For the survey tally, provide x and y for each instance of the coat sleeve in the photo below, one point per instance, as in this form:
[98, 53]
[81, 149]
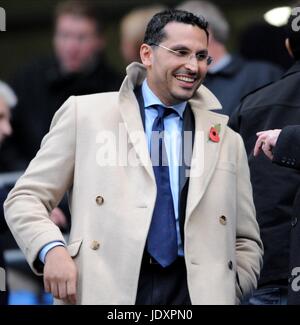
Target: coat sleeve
[287, 149]
[249, 247]
[39, 190]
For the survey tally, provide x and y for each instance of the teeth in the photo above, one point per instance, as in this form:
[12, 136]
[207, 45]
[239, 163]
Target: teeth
[186, 79]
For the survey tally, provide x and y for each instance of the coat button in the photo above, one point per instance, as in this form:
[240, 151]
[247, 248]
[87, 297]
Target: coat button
[95, 245]
[230, 265]
[294, 221]
[223, 220]
[99, 200]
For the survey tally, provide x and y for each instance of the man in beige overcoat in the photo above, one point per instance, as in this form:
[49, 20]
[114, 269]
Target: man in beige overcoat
[144, 232]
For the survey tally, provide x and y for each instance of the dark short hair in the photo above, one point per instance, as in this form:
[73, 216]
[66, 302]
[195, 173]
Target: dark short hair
[80, 8]
[155, 29]
[293, 34]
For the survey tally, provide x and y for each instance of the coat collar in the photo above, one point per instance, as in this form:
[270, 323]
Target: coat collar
[136, 74]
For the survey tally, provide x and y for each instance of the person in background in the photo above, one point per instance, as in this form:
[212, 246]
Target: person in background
[77, 67]
[229, 77]
[275, 189]
[132, 30]
[8, 100]
[282, 146]
[158, 225]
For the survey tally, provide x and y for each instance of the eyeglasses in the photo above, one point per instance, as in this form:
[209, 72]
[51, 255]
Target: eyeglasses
[187, 55]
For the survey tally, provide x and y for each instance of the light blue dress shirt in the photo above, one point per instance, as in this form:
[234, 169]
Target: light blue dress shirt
[47, 248]
[173, 127]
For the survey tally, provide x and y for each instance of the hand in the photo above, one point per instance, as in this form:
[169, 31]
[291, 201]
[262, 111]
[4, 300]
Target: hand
[266, 141]
[58, 217]
[60, 275]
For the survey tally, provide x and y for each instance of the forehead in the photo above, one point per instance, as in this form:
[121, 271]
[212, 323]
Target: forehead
[185, 34]
[71, 21]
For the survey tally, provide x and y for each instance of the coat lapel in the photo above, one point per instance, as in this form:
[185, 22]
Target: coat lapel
[205, 152]
[131, 115]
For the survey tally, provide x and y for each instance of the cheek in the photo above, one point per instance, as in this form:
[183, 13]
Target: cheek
[160, 74]
[203, 71]
[86, 51]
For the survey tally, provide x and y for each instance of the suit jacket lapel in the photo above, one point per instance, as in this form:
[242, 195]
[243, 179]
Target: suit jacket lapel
[140, 99]
[188, 135]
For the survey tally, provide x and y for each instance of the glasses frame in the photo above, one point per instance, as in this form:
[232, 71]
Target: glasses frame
[209, 59]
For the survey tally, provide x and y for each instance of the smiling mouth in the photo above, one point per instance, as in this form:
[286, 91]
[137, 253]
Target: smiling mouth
[186, 79]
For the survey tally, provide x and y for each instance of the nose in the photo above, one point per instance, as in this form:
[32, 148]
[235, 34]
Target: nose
[192, 63]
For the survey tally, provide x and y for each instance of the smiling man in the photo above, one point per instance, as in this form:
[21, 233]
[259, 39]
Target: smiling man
[176, 71]
[163, 228]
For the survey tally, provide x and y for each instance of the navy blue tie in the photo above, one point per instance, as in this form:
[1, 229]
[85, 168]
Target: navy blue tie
[162, 236]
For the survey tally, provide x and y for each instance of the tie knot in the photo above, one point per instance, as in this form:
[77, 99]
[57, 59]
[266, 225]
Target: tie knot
[164, 111]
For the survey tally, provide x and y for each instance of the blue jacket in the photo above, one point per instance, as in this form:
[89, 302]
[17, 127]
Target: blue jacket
[239, 78]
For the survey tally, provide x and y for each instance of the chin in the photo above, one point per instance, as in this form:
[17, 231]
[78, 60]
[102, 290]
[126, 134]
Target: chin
[185, 96]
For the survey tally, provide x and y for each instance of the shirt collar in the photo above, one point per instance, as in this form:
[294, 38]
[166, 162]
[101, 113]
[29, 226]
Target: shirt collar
[150, 99]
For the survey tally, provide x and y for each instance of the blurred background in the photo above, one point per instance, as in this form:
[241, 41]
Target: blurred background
[30, 26]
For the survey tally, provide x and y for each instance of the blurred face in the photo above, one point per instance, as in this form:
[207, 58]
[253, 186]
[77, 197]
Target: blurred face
[130, 50]
[5, 127]
[76, 42]
[172, 77]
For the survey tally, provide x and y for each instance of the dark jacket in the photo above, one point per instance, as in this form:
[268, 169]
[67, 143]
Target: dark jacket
[41, 89]
[274, 188]
[287, 153]
[237, 79]
[287, 149]
[3, 228]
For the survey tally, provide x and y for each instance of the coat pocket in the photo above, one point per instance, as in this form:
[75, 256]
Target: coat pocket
[73, 248]
[226, 166]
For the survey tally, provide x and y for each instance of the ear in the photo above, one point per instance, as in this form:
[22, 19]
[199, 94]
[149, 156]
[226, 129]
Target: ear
[146, 53]
[288, 47]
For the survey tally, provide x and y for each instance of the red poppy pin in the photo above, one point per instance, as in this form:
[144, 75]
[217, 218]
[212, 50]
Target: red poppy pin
[214, 133]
